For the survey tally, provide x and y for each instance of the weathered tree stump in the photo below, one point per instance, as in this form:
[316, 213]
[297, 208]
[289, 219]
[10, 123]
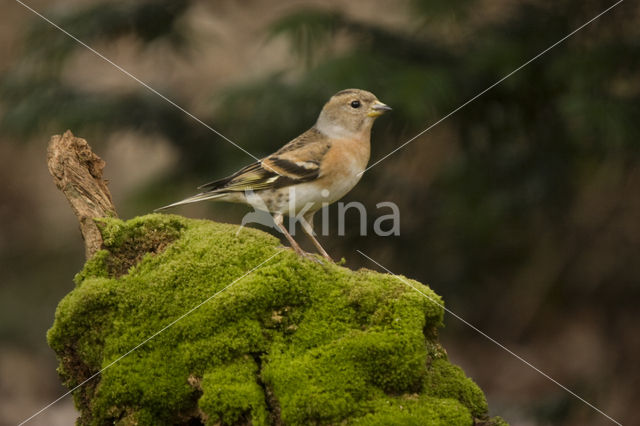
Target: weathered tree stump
[77, 172]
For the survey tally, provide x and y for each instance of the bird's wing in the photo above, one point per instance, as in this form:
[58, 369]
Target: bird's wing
[296, 162]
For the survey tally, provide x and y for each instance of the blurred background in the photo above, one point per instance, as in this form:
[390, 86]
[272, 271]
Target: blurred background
[522, 209]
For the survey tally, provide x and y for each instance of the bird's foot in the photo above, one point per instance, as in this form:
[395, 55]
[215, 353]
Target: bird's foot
[322, 260]
[309, 256]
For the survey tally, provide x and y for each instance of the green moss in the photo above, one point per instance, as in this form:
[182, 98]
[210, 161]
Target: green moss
[124, 245]
[416, 410]
[231, 393]
[294, 342]
[445, 380]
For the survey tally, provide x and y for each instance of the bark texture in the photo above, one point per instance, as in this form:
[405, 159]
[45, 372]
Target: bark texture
[77, 172]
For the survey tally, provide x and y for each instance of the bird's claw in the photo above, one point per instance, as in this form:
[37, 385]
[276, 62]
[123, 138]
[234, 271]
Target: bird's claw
[313, 257]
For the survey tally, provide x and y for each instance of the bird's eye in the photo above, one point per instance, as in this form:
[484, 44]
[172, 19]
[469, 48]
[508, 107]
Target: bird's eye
[355, 104]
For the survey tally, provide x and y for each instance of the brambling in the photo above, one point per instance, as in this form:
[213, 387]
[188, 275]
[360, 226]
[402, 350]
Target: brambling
[315, 169]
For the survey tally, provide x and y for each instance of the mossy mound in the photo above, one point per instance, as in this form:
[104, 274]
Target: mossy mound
[293, 342]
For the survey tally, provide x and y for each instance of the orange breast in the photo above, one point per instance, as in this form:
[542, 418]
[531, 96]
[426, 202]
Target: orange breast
[341, 166]
[346, 157]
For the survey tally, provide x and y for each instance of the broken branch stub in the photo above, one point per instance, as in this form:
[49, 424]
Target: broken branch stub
[77, 172]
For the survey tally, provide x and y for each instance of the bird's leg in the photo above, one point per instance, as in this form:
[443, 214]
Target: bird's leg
[307, 226]
[279, 220]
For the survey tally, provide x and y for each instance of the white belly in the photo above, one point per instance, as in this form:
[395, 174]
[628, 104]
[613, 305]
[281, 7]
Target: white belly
[305, 197]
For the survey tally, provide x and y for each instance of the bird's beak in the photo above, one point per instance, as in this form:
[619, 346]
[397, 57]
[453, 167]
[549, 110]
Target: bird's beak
[378, 108]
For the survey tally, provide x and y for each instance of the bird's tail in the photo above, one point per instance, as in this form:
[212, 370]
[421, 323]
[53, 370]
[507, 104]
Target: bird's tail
[198, 197]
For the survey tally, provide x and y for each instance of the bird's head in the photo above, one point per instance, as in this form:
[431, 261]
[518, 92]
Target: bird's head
[349, 113]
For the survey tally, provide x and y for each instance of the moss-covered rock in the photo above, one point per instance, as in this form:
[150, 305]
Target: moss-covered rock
[293, 342]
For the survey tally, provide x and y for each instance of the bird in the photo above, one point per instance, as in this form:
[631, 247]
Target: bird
[315, 169]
